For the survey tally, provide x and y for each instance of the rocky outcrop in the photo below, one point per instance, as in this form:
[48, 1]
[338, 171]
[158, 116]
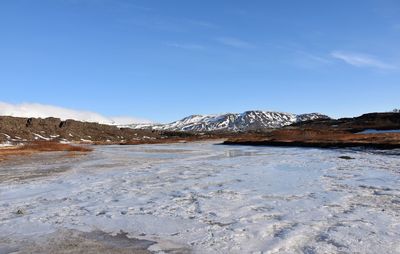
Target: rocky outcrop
[16, 129]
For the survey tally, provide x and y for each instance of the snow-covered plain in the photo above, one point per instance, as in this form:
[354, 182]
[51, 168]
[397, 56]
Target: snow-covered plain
[210, 198]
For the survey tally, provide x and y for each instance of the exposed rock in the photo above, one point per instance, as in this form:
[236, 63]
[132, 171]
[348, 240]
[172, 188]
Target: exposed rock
[16, 129]
[344, 157]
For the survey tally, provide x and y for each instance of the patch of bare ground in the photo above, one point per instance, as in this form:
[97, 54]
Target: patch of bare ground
[71, 241]
[49, 146]
[320, 139]
[68, 241]
[41, 146]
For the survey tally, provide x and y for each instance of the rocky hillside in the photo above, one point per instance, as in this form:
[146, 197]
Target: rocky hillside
[375, 121]
[247, 121]
[17, 129]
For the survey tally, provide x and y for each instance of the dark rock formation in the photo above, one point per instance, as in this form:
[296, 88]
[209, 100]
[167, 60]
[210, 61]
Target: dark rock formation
[16, 129]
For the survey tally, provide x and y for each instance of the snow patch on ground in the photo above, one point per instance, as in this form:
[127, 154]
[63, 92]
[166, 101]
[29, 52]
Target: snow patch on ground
[37, 136]
[6, 144]
[215, 198]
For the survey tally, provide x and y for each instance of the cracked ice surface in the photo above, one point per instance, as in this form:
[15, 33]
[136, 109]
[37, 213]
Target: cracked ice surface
[213, 198]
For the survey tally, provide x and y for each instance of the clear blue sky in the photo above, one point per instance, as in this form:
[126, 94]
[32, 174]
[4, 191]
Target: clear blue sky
[163, 60]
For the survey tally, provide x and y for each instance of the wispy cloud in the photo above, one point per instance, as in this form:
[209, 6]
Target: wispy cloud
[43, 111]
[188, 46]
[361, 60]
[234, 42]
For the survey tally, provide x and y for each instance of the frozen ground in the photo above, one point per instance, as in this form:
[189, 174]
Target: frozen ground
[202, 198]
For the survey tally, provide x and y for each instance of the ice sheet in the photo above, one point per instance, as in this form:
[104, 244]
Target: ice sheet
[214, 198]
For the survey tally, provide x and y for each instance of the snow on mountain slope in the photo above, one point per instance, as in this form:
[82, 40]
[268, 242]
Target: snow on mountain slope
[249, 120]
[310, 116]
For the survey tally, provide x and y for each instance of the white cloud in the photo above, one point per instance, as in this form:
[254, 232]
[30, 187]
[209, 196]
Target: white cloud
[234, 42]
[186, 46]
[361, 60]
[43, 111]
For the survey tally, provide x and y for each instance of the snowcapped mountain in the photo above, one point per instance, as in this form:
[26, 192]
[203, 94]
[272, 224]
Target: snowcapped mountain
[249, 120]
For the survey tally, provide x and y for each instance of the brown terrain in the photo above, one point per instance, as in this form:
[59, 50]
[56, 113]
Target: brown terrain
[329, 133]
[41, 146]
[18, 129]
[32, 135]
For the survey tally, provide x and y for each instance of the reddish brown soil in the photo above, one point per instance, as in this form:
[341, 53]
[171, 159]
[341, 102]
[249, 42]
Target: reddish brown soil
[41, 146]
[320, 138]
[48, 146]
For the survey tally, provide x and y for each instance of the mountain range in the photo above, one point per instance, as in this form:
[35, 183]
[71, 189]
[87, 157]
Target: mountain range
[246, 121]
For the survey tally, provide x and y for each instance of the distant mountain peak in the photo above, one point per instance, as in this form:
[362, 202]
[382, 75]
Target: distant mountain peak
[248, 120]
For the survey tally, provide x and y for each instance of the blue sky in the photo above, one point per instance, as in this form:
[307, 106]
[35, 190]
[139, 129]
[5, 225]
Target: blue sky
[163, 60]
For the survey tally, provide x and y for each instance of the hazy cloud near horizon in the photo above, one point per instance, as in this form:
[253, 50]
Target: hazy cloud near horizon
[43, 111]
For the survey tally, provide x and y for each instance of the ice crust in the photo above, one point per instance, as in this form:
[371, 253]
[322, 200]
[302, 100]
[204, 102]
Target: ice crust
[215, 198]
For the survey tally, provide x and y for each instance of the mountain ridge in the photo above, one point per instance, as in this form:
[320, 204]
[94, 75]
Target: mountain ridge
[247, 121]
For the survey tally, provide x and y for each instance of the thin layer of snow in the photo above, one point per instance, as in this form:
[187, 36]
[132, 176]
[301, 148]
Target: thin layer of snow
[38, 136]
[6, 144]
[216, 199]
[86, 140]
[6, 135]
